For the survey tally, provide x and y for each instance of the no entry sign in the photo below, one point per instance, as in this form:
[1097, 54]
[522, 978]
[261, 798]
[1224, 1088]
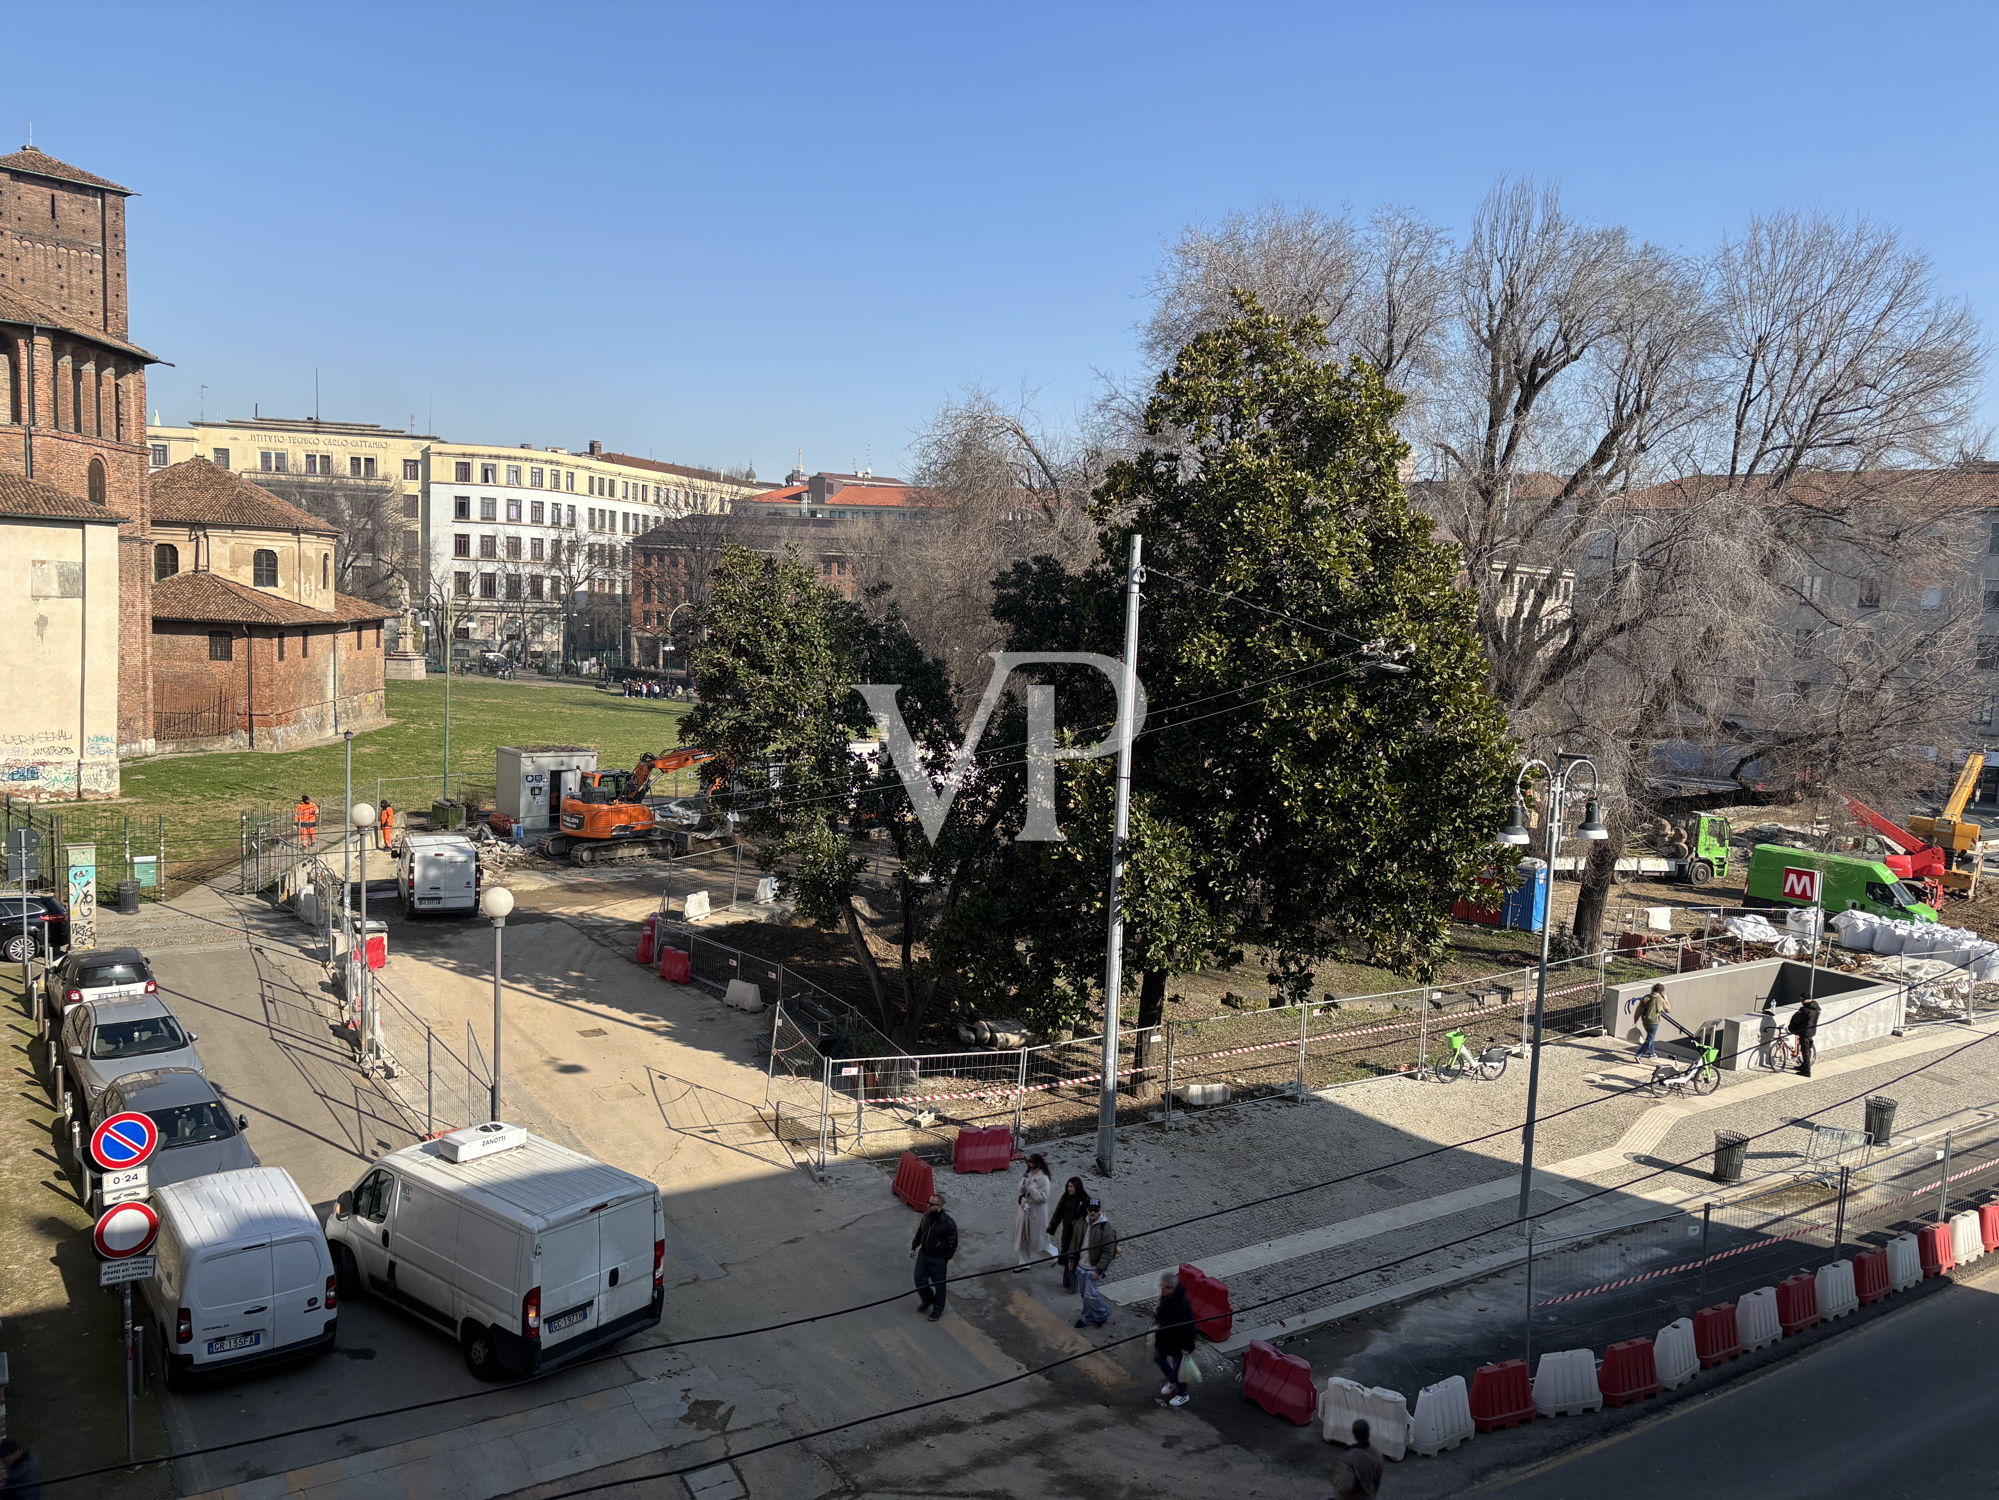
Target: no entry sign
[125, 1230]
[123, 1141]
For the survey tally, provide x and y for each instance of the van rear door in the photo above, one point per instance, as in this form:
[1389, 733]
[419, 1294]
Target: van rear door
[445, 878]
[299, 1268]
[626, 1232]
[229, 1301]
[569, 1281]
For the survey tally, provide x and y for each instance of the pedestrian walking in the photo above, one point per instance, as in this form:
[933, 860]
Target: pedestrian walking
[385, 831]
[1357, 1476]
[1172, 1338]
[935, 1243]
[24, 1472]
[1030, 1214]
[305, 819]
[1100, 1248]
[1650, 1010]
[1805, 1027]
[1066, 1226]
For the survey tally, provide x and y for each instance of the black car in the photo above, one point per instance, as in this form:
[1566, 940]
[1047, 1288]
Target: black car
[32, 925]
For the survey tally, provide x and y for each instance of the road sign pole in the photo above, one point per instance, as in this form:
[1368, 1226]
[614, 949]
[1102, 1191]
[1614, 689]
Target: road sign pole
[131, 1422]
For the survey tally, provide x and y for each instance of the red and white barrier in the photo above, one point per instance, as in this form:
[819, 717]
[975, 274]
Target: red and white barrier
[1836, 1294]
[1988, 1226]
[1214, 1318]
[984, 1150]
[1279, 1383]
[1933, 1249]
[1798, 1304]
[1905, 1262]
[914, 1181]
[1756, 1322]
[1387, 1414]
[1628, 1373]
[1442, 1418]
[1715, 1338]
[1565, 1384]
[1501, 1395]
[1873, 1277]
[1967, 1244]
[1674, 1355]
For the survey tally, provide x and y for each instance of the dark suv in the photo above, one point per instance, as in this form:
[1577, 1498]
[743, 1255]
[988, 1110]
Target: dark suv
[46, 927]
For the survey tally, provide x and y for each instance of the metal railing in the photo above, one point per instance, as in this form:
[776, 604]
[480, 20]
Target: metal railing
[127, 848]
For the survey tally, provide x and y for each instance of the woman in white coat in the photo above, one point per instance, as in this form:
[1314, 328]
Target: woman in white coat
[1030, 1220]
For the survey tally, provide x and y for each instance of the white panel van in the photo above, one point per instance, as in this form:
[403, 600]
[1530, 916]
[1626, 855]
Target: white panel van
[529, 1254]
[244, 1276]
[437, 872]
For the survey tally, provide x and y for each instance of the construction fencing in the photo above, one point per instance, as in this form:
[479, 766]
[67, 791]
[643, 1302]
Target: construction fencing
[125, 848]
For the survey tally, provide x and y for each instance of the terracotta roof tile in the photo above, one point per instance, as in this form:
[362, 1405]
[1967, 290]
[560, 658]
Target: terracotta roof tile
[21, 496]
[194, 492]
[210, 596]
[684, 471]
[18, 307]
[31, 159]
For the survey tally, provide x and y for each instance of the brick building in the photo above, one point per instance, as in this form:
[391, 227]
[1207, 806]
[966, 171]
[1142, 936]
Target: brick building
[77, 676]
[253, 645]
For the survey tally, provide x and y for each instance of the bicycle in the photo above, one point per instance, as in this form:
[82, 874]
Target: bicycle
[1700, 1074]
[1488, 1064]
[1780, 1052]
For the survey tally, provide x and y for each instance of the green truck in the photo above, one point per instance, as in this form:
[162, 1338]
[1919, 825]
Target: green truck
[1782, 876]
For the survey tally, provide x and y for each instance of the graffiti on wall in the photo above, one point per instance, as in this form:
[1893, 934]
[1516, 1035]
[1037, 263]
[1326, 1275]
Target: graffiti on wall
[82, 895]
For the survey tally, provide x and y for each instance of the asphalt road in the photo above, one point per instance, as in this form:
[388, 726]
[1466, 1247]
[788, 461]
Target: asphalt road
[1900, 1408]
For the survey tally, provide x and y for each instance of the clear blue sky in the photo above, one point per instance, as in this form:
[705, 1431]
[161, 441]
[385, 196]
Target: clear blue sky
[721, 233]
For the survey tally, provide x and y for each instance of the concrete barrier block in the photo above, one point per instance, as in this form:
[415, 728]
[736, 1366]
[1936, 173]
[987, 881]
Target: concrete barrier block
[1565, 1383]
[1673, 1354]
[1199, 1095]
[694, 906]
[1386, 1411]
[1905, 1263]
[1966, 1242]
[766, 890]
[1756, 1320]
[1837, 1297]
[743, 995]
[1442, 1418]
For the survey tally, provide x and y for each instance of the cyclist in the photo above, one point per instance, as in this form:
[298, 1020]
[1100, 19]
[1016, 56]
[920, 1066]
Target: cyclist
[1650, 1010]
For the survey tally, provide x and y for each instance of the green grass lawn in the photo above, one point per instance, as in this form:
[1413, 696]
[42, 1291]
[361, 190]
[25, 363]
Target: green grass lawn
[201, 796]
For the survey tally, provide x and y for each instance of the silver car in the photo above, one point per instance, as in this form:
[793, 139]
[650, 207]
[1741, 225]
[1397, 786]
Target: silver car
[102, 1041]
[198, 1135]
[95, 974]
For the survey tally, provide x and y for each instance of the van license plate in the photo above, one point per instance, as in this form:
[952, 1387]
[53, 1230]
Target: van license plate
[568, 1320]
[234, 1341]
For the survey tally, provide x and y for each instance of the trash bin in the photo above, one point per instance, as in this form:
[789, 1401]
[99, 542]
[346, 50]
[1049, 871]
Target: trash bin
[128, 898]
[1730, 1147]
[1880, 1118]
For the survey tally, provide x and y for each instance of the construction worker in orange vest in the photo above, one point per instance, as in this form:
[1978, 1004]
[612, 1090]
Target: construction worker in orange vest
[305, 818]
[386, 830]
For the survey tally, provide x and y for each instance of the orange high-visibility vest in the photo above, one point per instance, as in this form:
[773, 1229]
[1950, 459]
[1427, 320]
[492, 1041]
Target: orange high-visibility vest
[306, 815]
[388, 824]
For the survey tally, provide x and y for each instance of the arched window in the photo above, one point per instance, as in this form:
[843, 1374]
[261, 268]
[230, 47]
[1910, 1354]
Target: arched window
[326, 570]
[75, 396]
[166, 560]
[264, 568]
[97, 484]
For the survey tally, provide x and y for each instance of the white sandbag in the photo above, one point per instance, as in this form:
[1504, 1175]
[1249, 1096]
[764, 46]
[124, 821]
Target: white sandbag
[1889, 937]
[1985, 969]
[1856, 930]
[1751, 929]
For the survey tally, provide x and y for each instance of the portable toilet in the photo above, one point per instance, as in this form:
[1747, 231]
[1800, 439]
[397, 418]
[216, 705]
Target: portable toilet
[530, 780]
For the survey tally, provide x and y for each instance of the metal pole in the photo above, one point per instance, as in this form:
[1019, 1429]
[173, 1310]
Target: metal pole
[1168, 1030]
[429, 1083]
[1120, 827]
[450, 631]
[1304, 1022]
[1943, 1182]
[499, 928]
[371, 1040]
[131, 1422]
[825, 1109]
[1839, 1221]
[1557, 786]
[1707, 1228]
[1527, 1323]
[1020, 1094]
[243, 836]
[347, 858]
[1423, 1031]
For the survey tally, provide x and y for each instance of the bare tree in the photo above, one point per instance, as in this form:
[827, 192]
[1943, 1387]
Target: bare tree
[377, 557]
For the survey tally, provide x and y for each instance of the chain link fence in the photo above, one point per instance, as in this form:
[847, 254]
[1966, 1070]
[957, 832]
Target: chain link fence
[125, 847]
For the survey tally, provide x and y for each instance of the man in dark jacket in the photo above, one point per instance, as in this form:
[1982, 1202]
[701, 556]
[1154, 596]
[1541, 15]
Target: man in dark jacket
[23, 1479]
[1805, 1027]
[935, 1243]
[1357, 1476]
[1172, 1338]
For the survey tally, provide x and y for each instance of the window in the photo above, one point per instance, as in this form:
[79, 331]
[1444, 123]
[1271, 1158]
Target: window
[534, 586]
[361, 468]
[514, 548]
[489, 546]
[461, 473]
[513, 586]
[489, 508]
[96, 481]
[513, 508]
[221, 646]
[489, 585]
[513, 473]
[1801, 644]
[534, 478]
[305, 643]
[1930, 598]
[219, 457]
[281, 645]
[1745, 689]
[1815, 587]
[166, 560]
[1982, 715]
[535, 549]
[1870, 593]
[274, 463]
[360, 633]
[1988, 653]
[489, 473]
[319, 463]
[569, 480]
[1992, 540]
[264, 568]
[572, 514]
[412, 468]
[461, 585]
[1991, 597]
[461, 544]
[536, 512]
[461, 507]
[326, 570]
[159, 455]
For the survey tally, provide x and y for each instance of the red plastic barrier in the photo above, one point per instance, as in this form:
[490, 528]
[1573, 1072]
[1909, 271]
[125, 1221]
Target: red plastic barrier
[1797, 1304]
[1501, 1396]
[1715, 1338]
[1279, 1383]
[376, 949]
[914, 1181]
[1988, 1226]
[648, 939]
[675, 965]
[985, 1150]
[1213, 1315]
[1870, 1277]
[1933, 1244]
[1628, 1373]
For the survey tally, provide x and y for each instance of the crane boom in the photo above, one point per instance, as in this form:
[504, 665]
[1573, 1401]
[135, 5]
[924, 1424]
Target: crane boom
[1894, 833]
[1965, 785]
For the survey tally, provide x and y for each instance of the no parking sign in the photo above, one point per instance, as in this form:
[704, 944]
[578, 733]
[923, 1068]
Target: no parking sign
[125, 1140]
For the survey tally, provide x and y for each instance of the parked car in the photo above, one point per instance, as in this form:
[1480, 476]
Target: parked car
[32, 925]
[198, 1135]
[244, 1277]
[437, 872]
[479, 1231]
[95, 974]
[102, 1041]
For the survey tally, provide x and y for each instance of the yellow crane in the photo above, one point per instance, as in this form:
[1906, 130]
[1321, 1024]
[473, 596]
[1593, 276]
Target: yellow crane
[1959, 840]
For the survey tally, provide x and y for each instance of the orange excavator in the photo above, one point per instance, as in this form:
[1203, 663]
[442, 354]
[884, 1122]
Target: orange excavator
[608, 817]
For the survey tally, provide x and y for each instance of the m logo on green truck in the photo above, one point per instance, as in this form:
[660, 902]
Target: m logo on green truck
[1783, 876]
[1800, 885]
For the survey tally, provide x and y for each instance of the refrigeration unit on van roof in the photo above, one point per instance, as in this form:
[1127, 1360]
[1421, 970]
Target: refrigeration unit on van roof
[476, 1141]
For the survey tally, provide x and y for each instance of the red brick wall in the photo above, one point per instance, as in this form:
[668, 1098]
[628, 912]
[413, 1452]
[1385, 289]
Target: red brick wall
[73, 259]
[301, 699]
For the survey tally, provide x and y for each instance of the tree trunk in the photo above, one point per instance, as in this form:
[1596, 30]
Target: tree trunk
[1599, 874]
[858, 939]
[1151, 1011]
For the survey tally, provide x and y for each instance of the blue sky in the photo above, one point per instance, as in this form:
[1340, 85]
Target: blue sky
[724, 233]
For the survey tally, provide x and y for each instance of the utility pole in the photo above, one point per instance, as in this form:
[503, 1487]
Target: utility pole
[1120, 826]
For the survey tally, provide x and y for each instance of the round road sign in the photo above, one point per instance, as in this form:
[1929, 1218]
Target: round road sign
[126, 1230]
[123, 1141]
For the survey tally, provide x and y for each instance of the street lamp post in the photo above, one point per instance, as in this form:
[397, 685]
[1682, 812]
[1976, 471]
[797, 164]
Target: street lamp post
[494, 905]
[1515, 833]
[360, 818]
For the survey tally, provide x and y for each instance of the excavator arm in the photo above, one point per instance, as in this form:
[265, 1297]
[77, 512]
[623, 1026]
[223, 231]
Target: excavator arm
[651, 765]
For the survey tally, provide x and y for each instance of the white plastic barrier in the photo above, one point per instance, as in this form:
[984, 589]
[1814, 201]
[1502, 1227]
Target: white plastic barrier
[1565, 1383]
[1386, 1412]
[1756, 1321]
[1673, 1354]
[1443, 1417]
[1967, 1243]
[1905, 1262]
[694, 906]
[1835, 1289]
[744, 995]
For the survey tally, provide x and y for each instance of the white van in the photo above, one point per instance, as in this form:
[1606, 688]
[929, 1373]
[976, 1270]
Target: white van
[244, 1275]
[437, 872]
[529, 1254]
